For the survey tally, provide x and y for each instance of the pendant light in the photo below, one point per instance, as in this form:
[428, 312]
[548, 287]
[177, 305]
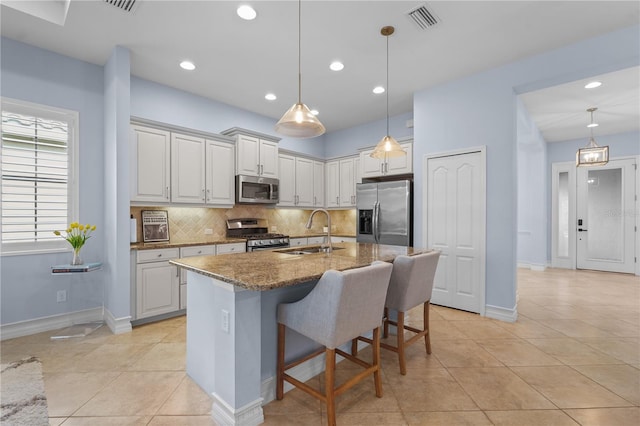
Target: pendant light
[592, 154]
[388, 146]
[298, 121]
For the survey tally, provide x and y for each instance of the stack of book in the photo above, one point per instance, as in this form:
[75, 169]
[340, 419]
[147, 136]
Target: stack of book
[87, 267]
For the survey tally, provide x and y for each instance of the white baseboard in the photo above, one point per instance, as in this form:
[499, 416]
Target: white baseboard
[117, 325]
[502, 314]
[249, 415]
[54, 322]
[302, 372]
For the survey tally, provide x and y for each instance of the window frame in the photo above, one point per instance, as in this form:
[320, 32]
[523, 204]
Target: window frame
[72, 120]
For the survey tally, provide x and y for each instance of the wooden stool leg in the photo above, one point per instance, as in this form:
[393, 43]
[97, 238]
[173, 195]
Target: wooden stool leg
[427, 336]
[376, 361]
[280, 362]
[329, 385]
[385, 332]
[400, 332]
[354, 347]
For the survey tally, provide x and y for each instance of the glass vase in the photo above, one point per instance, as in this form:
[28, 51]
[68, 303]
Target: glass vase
[76, 257]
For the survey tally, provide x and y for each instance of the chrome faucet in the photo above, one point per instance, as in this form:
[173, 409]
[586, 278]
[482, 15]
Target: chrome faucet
[329, 248]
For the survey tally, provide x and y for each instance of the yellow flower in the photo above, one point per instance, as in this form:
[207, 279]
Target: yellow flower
[81, 227]
[56, 232]
[68, 230]
[93, 228]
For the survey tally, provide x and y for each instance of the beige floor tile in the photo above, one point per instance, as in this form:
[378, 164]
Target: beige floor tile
[56, 421]
[463, 353]
[116, 357]
[572, 352]
[607, 416]
[179, 334]
[314, 419]
[429, 390]
[530, 418]
[447, 418]
[295, 402]
[108, 421]
[498, 388]
[415, 356]
[133, 394]
[623, 380]
[527, 328]
[182, 421]
[14, 352]
[575, 328]
[445, 330]
[149, 333]
[188, 398]
[624, 349]
[517, 352]
[616, 327]
[367, 419]
[162, 357]
[567, 388]
[481, 330]
[67, 392]
[455, 314]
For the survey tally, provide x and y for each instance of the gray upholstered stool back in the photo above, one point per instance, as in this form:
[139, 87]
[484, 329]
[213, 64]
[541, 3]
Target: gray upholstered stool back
[411, 281]
[341, 306]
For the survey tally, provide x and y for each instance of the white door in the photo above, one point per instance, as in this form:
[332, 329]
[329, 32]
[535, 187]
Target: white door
[220, 174]
[318, 183]
[347, 183]
[187, 169]
[268, 159]
[287, 188]
[456, 226]
[333, 183]
[304, 182]
[150, 164]
[605, 217]
[248, 156]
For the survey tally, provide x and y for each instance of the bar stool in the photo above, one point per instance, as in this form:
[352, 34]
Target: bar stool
[411, 285]
[341, 306]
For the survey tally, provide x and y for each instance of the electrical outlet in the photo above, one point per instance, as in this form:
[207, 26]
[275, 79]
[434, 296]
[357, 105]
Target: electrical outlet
[225, 321]
[274, 228]
[208, 231]
[61, 296]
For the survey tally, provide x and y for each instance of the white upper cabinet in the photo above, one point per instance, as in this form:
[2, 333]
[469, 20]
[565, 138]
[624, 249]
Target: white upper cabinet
[287, 188]
[318, 184]
[332, 178]
[187, 169]
[373, 167]
[256, 154]
[150, 164]
[296, 181]
[341, 178]
[220, 175]
[304, 182]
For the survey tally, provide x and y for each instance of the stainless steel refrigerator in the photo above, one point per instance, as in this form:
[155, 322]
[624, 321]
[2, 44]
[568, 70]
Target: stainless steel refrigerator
[385, 212]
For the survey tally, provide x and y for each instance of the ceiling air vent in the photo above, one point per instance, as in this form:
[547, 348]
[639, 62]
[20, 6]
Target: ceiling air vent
[126, 5]
[423, 17]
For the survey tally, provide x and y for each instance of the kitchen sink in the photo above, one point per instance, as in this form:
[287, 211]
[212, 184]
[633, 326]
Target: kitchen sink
[306, 250]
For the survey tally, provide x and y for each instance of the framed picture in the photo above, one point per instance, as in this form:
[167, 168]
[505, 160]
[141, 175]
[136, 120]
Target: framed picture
[155, 225]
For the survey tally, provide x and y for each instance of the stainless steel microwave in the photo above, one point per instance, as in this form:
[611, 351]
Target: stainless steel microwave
[256, 190]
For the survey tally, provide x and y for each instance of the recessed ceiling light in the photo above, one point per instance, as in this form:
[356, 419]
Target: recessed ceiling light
[593, 125]
[246, 12]
[336, 66]
[378, 89]
[593, 85]
[187, 65]
[314, 112]
[270, 97]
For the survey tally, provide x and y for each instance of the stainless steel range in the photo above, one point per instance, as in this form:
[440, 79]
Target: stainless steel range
[256, 231]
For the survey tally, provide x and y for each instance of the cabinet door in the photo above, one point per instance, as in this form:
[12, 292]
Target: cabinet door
[248, 156]
[304, 182]
[220, 175]
[297, 242]
[318, 184]
[157, 289]
[347, 183]
[333, 184]
[150, 164]
[268, 159]
[231, 248]
[187, 169]
[401, 165]
[287, 181]
[370, 166]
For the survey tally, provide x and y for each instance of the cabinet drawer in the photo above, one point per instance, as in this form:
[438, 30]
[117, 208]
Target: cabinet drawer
[156, 255]
[297, 242]
[231, 248]
[316, 240]
[197, 251]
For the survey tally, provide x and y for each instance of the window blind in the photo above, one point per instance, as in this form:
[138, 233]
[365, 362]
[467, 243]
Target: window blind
[35, 176]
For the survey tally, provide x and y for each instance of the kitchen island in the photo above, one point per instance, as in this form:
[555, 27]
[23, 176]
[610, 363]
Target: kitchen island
[231, 320]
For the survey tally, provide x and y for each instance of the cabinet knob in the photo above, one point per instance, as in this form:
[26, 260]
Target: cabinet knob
[160, 255]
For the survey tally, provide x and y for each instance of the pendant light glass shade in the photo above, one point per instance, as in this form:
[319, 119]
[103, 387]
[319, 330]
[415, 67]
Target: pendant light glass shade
[592, 154]
[298, 122]
[387, 147]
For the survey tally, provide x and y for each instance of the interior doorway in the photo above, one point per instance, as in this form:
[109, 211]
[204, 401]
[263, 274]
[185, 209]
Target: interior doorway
[593, 216]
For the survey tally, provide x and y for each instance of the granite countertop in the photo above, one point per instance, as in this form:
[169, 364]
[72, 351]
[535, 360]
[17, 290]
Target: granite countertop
[266, 270]
[320, 234]
[186, 243]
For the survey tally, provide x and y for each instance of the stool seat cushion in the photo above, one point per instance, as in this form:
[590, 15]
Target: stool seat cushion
[341, 306]
[411, 281]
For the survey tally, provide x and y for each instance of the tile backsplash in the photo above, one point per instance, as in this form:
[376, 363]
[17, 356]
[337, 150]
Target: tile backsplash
[189, 223]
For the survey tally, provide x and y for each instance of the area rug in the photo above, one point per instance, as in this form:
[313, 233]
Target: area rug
[22, 398]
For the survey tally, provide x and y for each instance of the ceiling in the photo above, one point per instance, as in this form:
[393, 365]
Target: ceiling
[239, 61]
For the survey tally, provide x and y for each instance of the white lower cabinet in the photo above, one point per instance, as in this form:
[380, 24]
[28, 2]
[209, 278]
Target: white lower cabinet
[343, 239]
[191, 252]
[316, 240]
[157, 283]
[231, 248]
[297, 242]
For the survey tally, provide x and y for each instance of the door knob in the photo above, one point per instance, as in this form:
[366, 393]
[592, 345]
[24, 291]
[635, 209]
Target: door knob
[582, 230]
